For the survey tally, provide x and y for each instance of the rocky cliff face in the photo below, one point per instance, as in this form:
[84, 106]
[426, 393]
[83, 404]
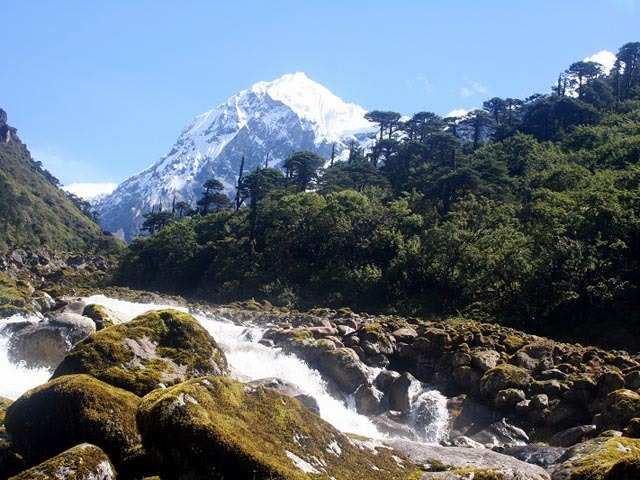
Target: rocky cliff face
[264, 123]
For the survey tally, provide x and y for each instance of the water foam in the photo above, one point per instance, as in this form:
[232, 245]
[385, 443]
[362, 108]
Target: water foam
[15, 379]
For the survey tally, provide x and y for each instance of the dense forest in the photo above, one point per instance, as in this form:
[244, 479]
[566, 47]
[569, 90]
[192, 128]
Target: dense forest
[526, 211]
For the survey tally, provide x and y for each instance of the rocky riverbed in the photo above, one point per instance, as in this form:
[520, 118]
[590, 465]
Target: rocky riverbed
[158, 387]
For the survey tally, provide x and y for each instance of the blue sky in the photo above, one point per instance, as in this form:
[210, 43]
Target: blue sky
[100, 90]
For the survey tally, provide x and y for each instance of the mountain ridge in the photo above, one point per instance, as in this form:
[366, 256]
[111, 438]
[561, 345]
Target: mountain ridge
[264, 123]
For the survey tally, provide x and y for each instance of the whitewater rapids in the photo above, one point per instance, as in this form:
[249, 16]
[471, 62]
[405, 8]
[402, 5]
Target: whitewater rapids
[249, 360]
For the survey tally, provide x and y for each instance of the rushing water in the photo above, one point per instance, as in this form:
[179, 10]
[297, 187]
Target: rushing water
[15, 379]
[250, 360]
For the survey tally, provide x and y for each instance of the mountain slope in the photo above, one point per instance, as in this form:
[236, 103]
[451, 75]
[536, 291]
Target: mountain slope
[33, 211]
[269, 120]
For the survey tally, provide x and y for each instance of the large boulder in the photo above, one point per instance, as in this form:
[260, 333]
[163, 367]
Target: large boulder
[503, 377]
[44, 344]
[83, 462]
[215, 427]
[467, 463]
[595, 459]
[10, 462]
[71, 410]
[155, 349]
[619, 408]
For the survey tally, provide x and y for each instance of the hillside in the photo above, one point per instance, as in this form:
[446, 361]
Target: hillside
[34, 212]
[526, 212]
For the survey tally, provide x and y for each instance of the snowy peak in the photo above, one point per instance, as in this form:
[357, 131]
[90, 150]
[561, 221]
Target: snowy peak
[266, 122]
[311, 101]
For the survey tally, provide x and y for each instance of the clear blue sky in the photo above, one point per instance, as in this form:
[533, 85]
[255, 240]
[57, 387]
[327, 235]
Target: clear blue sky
[101, 89]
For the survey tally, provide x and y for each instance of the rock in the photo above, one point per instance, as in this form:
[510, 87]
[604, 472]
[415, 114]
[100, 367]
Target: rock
[503, 377]
[551, 388]
[368, 400]
[535, 356]
[464, 441]
[632, 380]
[553, 374]
[389, 423]
[71, 410]
[609, 382]
[541, 455]
[507, 399]
[501, 434]
[632, 430]
[619, 408]
[573, 435]
[343, 367]
[102, 316]
[473, 463]
[594, 459]
[385, 379]
[539, 402]
[38, 345]
[484, 360]
[290, 390]
[467, 378]
[83, 462]
[626, 469]
[158, 348]
[76, 327]
[405, 334]
[398, 393]
[230, 430]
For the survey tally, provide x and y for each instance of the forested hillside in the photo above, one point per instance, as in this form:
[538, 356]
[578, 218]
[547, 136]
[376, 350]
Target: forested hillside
[34, 212]
[526, 211]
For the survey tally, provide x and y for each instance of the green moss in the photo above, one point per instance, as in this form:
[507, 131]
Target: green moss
[161, 347]
[71, 410]
[513, 343]
[471, 473]
[99, 315]
[13, 292]
[596, 464]
[217, 428]
[78, 463]
[502, 377]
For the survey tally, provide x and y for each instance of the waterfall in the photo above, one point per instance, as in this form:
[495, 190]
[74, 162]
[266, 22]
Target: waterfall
[250, 360]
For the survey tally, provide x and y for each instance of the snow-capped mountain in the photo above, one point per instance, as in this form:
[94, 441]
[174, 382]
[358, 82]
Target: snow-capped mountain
[269, 120]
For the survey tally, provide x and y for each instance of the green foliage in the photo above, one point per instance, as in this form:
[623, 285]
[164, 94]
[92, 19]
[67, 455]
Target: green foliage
[536, 224]
[34, 212]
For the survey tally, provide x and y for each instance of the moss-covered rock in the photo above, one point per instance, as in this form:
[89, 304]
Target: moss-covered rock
[83, 462]
[216, 428]
[620, 407]
[14, 292]
[503, 377]
[158, 348]
[71, 410]
[100, 315]
[625, 469]
[595, 459]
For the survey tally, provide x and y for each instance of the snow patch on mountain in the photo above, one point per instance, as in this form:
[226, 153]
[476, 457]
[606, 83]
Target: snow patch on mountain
[266, 122]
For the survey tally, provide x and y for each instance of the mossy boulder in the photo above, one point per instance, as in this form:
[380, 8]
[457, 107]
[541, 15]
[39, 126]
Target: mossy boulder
[619, 408]
[158, 348]
[14, 293]
[71, 410]
[503, 377]
[625, 469]
[102, 317]
[595, 459]
[217, 428]
[83, 462]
